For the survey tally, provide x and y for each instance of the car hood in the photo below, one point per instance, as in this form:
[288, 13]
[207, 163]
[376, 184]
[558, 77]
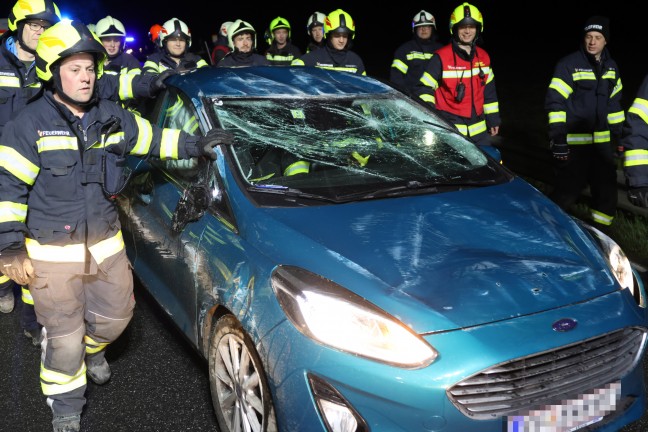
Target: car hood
[444, 261]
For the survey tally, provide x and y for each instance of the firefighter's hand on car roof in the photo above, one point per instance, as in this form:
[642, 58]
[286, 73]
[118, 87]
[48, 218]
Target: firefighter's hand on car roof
[16, 265]
[158, 84]
[213, 138]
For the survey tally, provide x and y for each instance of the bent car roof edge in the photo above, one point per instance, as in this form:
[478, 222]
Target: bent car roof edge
[261, 81]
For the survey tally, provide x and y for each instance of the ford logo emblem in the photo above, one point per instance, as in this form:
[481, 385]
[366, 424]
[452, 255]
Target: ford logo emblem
[563, 325]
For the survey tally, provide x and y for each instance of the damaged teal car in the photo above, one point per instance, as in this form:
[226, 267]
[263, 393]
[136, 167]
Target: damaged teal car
[353, 264]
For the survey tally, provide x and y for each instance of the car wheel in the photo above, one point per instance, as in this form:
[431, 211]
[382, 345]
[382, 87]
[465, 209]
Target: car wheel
[239, 387]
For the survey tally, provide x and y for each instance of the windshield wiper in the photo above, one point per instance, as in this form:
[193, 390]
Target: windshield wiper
[415, 186]
[288, 191]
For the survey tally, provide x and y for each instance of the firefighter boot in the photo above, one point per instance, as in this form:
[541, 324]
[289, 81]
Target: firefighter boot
[98, 369]
[7, 303]
[67, 423]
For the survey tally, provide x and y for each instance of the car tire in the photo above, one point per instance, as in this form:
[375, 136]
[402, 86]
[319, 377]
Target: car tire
[239, 387]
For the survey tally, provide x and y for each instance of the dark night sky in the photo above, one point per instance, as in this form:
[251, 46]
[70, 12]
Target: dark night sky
[524, 39]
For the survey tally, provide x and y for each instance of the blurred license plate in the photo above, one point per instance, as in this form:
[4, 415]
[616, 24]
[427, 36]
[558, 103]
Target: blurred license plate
[571, 414]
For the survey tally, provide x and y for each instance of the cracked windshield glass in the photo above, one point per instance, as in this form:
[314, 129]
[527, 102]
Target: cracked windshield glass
[343, 146]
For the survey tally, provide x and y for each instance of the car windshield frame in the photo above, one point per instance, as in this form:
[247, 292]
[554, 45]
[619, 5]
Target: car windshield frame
[329, 149]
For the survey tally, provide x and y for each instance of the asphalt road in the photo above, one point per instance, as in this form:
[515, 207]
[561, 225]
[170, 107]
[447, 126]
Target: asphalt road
[159, 382]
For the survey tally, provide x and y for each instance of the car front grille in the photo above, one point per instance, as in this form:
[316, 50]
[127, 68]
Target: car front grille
[548, 377]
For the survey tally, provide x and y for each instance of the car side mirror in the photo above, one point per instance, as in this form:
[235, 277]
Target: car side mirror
[191, 206]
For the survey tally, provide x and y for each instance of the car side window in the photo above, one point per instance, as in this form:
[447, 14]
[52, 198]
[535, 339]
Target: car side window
[178, 113]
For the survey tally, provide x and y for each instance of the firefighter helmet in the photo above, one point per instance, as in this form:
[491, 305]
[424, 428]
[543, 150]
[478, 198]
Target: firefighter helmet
[339, 21]
[110, 26]
[176, 28]
[276, 24]
[45, 10]
[238, 27]
[223, 28]
[64, 39]
[316, 19]
[423, 18]
[155, 34]
[466, 14]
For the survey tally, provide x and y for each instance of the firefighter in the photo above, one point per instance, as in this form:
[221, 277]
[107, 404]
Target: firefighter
[60, 166]
[18, 85]
[281, 51]
[458, 81]
[635, 143]
[339, 31]
[412, 56]
[241, 37]
[175, 38]
[112, 34]
[221, 45]
[585, 118]
[315, 30]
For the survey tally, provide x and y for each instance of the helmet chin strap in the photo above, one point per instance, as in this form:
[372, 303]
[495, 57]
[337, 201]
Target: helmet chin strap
[58, 87]
[23, 45]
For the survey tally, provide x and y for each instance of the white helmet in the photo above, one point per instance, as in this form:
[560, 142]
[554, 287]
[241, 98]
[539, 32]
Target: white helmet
[316, 19]
[423, 18]
[223, 28]
[176, 28]
[238, 27]
[110, 26]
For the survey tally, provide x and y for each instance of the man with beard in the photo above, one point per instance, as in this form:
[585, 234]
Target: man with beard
[242, 40]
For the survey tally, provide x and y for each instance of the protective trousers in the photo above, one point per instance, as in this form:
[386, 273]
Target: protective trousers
[593, 165]
[80, 314]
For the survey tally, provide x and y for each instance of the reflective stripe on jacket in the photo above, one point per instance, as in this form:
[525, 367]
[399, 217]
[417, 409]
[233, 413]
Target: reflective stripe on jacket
[54, 183]
[635, 139]
[583, 101]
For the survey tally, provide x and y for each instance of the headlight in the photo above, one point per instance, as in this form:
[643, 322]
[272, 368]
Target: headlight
[334, 316]
[616, 259]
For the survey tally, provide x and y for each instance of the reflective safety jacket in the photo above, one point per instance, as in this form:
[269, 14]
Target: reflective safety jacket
[472, 110]
[330, 58]
[18, 83]
[635, 139]
[283, 56]
[160, 61]
[238, 58]
[583, 101]
[410, 60]
[54, 168]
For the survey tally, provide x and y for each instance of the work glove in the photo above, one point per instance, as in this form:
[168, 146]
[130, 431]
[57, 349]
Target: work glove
[158, 84]
[16, 265]
[560, 151]
[618, 151]
[637, 196]
[213, 138]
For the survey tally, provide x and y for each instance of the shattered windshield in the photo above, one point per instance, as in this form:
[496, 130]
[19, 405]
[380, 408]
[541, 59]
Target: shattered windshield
[347, 148]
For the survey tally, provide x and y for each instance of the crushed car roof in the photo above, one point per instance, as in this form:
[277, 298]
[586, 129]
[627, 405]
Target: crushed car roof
[263, 81]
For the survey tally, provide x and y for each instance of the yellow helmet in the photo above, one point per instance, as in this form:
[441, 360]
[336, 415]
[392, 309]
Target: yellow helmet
[64, 39]
[466, 14]
[276, 24]
[339, 21]
[45, 10]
